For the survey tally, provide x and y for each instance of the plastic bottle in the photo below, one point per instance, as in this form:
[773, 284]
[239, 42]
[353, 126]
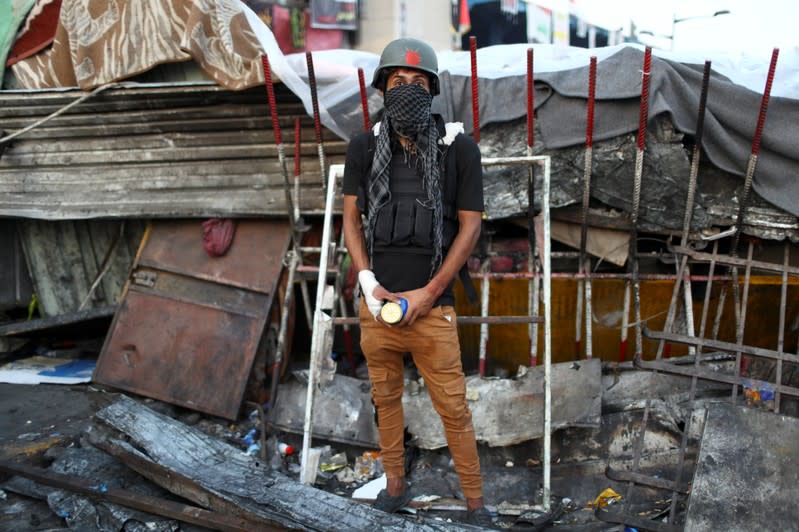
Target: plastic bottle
[285, 449]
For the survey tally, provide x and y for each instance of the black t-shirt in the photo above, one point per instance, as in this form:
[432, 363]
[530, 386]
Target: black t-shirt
[399, 268]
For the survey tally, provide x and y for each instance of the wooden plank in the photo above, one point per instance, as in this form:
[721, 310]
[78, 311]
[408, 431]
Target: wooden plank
[184, 486]
[138, 501]
[243, 480]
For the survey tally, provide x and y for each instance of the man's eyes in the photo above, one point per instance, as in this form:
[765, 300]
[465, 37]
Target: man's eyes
[401, 82]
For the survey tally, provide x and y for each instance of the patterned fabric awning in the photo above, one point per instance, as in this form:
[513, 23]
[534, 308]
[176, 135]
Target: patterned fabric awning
[102, 41]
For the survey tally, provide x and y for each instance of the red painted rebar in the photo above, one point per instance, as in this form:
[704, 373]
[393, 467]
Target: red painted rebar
[314, 100]
[297, 154]
[644, 109]
[761, 119]
[475, 95]
[270, 94]
[584, 287]
[589, 123]
[364, 103]
[530, 100]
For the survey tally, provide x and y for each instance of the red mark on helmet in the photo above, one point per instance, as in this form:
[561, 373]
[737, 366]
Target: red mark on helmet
[412, 58]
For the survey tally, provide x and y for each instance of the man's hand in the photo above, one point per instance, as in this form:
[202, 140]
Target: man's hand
[420, 302]
[374, 294]
[372, 291]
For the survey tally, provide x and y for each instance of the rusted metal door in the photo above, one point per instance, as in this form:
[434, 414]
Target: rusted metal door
[189, 324]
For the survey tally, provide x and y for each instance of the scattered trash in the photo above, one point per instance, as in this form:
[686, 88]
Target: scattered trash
[532, 462]
[472, 395]
[509, 463]
[285, 449]
[606, 498]
[46, 370]
[507, 508]
[759, 394]
[101, 487]
[346, 476]
[253, 449]
[334, 463]
[368, 465]
[369, 491]
[249, 438]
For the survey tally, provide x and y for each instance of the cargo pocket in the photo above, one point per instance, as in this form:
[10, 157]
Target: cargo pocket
[384, 225]
[380, 389]
[453, 405]
[403, 224]
[423, 227]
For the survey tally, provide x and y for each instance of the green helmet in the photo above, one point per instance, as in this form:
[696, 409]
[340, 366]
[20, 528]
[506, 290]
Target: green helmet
[407, 53]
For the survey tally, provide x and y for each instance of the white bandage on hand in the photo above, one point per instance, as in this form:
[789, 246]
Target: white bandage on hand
[368, 285]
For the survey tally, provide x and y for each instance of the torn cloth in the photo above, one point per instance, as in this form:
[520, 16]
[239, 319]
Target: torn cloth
[218, 236]
[102, 41]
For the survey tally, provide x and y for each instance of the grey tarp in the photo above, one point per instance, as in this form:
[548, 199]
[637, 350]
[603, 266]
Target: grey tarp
[561, 96]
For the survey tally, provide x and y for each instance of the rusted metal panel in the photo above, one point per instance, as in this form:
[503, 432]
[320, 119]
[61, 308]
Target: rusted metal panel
[189, 325]
[252, 261]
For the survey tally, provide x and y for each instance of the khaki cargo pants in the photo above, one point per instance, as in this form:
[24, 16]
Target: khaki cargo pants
[433, 343]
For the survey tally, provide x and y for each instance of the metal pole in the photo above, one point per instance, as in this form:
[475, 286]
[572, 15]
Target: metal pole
[547, 341]
[321, 320]
[281, 153]
[639, 170]
[533, 299]
[282, 332]
[475, 95]
[639, 164]
[584, 286]
[682, 267]
[786, 257]
[744, 202]
[364, 102]
[316, 122]
[484, 292]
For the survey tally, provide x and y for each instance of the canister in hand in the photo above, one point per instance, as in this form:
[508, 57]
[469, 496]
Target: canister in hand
[392, 313]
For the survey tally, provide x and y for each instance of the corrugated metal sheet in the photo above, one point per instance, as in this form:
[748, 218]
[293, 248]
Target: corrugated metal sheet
[66, 258]
[155, 151]
[15, 282]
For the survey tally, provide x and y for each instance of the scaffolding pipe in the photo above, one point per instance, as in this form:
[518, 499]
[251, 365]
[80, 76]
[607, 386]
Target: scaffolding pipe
[319, 329]
[532, 263]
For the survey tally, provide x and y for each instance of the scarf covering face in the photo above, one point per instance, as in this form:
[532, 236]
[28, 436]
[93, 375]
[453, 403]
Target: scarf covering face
[407, 113]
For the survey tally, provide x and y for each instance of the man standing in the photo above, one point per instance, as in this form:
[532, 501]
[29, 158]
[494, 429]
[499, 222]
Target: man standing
[413, 202]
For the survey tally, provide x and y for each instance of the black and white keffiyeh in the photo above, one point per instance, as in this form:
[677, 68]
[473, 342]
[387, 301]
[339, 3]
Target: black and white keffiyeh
[407, 114]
